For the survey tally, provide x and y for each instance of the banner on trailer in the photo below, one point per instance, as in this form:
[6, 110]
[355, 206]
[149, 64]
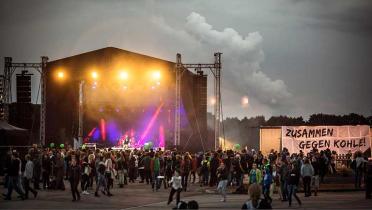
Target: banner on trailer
[338, 138]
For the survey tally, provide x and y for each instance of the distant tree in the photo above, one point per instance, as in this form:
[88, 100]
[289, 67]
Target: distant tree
[327, 119]
[285, 120]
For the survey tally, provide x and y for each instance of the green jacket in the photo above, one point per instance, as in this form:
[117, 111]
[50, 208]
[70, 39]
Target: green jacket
[255, 177]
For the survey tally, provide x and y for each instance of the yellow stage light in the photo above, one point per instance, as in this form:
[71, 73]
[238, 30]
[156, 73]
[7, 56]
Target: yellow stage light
[123, 75]
[94, 75]
[156, 75]
[60, 75]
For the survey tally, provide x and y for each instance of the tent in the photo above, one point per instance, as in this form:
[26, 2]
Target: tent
[12, 135]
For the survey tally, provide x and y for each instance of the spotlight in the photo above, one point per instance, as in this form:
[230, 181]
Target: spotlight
[156, 75]
[123, 75]
[60, 75]
[94, 75]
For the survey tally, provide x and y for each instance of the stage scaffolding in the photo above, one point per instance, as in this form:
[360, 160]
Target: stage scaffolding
[215, 68]
[9, 69]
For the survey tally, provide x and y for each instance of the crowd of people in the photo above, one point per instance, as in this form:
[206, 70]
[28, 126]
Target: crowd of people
[96, 171]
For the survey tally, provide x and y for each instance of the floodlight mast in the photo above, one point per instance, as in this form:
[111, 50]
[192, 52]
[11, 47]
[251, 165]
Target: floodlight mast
[215, 68]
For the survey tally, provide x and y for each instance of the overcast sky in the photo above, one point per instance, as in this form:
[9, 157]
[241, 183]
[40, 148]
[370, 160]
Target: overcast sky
[289, 57]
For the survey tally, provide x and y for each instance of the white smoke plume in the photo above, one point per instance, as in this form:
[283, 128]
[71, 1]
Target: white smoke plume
[242, 57]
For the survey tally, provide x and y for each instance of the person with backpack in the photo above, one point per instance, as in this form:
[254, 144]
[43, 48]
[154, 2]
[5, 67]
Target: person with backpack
[255, 201]
[101, 179]
[204, 171]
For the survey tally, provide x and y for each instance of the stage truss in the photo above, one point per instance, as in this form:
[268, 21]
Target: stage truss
[215, 68]
[9, 69]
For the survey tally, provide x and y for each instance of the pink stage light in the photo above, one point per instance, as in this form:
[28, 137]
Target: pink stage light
[132, 132]
[90, 134]
[103, 129]
[161, 136]
[151, 123]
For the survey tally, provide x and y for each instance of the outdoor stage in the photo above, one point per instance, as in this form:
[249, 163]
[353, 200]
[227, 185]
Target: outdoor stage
[110, 95]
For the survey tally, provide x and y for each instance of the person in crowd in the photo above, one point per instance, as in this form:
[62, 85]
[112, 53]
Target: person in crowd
[74, 178]
[315, 178]
[333, 162]
[255, 201]
[85, 170]
[222, 175]
[101, 178]
[348, 157]
[176, 187]
[323, 165]
[59, 169]
[293, 180]
[28, 175]
[168, 168]
[185, 170]
[133, 168]
[214, 164]
[120, 164]
[204, 171]
[255, 175]
[238, 170]
[46, 169]
[155, 172]
[368, 180]
[275, 186]
[13, 176]
[109, 170]
[283, 172]
[8, 163]
[267, 181]
[358, 167]
[307, 171]
[194, 168]
[36, 160]
[146, 168]
[92, 166]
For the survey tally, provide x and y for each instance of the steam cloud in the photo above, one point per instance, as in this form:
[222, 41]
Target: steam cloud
[241, 60]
